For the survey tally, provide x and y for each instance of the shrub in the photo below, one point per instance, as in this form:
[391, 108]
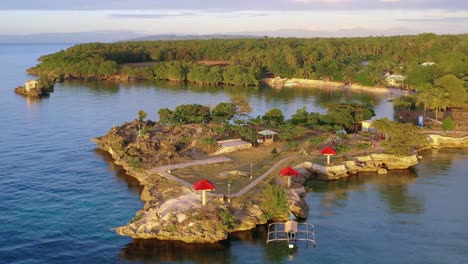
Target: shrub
[274, 151]
[342, 148]
[228, 220]
[362, 145]
[274, 203]
[142, 115]
[292, 145]
[448, 124]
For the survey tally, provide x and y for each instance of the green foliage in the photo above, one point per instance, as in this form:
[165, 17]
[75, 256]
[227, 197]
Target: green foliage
[347, 115]
[292, 145]
[273, 116]
[336, 59]
[448, 124]
[342, 135]
[228, 220]
[246, 133]
[401, 138]
[362, 145]
[274, 151]
[223, 112]
[142, 115]
[165, 116]
[209, 141]
[405, 102]
[290, 132]
[342, 148]
[144, 131]
[454, 87]
[274, 203]
[191, 114]
[316, 141]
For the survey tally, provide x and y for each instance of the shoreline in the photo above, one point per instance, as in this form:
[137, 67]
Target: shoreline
[279, 83]
[173, 211]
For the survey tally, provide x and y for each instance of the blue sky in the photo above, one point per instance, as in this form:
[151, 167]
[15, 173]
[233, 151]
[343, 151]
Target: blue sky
[301, 18]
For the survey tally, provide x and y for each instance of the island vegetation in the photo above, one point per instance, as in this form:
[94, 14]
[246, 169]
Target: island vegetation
[190, 132]
[423, 59]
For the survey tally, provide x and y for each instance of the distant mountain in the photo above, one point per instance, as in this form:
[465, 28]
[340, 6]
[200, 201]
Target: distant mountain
[187, 37]
[75, 37]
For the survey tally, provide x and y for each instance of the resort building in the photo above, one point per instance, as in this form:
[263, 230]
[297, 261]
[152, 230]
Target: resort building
[31, 84]
[395, 80]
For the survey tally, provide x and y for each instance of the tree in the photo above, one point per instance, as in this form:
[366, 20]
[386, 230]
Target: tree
[454, 87]
[439, 100]
[274, 116]
[243, 108]
[401, 138]
[165, 115]
[274, 203]
[223, 112]
[424, 96]
[191, 113]
[142, 115]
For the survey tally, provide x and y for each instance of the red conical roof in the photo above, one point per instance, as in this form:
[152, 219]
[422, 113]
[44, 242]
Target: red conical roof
[328, 151]
[288, 171]
[204, 185]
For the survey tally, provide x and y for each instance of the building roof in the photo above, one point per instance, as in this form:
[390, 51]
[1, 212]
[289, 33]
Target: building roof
[396, 77]
[328, 151]
[288, 171]
[204, 185]
[267, 132]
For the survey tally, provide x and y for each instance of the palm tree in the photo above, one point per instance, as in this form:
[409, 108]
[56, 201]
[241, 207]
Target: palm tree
[439, 100]
[424, 97]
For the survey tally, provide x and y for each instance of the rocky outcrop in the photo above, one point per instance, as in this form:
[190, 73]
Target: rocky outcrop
[438, 141]
[40, 91]
[372, 163]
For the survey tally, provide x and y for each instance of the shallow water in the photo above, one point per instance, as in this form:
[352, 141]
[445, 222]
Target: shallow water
[59, 196]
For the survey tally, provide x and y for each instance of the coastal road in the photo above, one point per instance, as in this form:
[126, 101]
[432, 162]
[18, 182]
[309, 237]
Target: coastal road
[163, 171]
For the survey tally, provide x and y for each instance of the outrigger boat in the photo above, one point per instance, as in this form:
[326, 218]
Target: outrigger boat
[291, 231]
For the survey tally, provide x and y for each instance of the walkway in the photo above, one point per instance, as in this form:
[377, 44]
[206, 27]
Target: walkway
[163, 172]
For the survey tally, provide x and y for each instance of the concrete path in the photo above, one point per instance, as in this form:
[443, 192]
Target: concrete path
[189, 163]
[163, 171]
[262, 177]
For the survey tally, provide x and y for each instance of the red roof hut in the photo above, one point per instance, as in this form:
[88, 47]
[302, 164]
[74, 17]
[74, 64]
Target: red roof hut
[328, 151]
[204, 185]
[289, 172]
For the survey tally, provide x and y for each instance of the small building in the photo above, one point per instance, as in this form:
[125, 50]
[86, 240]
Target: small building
[267, 136]
[428, 63]
[232, 145]
[31, 84]
[395, 80]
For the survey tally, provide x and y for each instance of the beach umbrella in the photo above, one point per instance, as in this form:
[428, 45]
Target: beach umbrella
[328, 151]
[204, 185]
[289, 172]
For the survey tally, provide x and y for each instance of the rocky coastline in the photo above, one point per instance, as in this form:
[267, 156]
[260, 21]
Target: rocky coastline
[174, 212]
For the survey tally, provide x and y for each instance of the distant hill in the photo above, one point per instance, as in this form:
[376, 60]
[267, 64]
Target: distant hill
[72, 37]
[188, 37]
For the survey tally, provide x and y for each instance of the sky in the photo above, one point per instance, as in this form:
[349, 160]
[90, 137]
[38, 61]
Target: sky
[285, 18]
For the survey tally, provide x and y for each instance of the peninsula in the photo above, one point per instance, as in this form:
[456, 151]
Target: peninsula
[168, 157]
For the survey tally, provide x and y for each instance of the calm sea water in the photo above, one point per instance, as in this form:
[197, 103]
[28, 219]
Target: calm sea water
[59, 195]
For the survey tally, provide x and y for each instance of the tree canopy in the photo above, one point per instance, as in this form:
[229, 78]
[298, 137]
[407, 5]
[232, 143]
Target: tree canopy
[245, 61]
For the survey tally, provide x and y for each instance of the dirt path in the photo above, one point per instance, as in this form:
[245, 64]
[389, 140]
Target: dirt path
[163, 171]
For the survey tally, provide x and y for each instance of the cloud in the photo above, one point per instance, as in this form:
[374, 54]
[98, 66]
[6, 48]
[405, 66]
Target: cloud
[443, 20]
[237, 5]
[150, 16]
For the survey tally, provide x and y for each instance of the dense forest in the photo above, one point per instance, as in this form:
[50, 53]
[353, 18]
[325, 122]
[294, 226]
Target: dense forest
[246, 61]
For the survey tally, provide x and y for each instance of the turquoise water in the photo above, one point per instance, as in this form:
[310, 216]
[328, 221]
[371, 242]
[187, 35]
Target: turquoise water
[59, 196]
